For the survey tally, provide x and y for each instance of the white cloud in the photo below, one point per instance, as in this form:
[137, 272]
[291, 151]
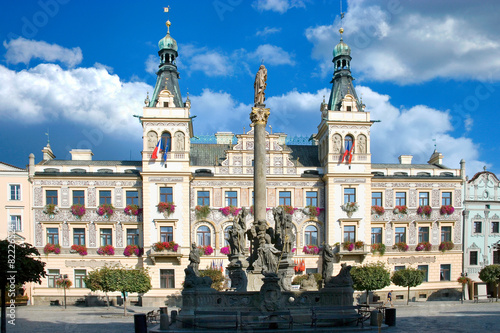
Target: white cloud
[91, 97]
[151, 64]
[411, 132]
[272, 55]
[267, 31]
[22, 50]
[210, 62]
[412, 42]
[280, 6]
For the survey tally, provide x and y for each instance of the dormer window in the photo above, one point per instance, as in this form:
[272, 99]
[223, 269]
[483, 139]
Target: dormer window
[348, 108]
[165, 104]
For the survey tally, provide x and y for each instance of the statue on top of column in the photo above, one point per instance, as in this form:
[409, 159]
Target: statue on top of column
[260, 86]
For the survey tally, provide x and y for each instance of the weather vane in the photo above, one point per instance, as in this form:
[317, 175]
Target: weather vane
[48, 135]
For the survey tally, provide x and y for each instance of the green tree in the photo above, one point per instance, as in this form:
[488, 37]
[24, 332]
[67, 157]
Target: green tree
[101, 279]
[131, 281]
[370, 277]
[18, 265]
[216, 276]
[491, 274]
[408, 277]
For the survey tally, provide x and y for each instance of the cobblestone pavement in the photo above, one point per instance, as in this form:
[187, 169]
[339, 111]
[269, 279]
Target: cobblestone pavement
[417, 317]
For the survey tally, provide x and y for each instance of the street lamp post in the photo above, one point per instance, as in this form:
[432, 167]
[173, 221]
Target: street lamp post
[65, 276]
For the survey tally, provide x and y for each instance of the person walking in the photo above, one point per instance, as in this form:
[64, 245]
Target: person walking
[389, 298]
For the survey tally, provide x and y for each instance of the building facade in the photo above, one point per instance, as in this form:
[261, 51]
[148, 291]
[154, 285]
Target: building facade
[369, 212]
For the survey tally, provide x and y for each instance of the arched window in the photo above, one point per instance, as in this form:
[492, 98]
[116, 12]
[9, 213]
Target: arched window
[311, 235]
[166, 141]
[348, 141]
[203, 236]
[226, 234]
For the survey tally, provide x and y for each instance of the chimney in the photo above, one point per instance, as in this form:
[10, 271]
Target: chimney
[81, 155]
[31, 167]
[436, 158]
[405, 159]
[47, 153]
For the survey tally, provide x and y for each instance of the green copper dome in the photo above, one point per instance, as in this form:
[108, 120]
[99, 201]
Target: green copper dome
[341, 49]
[167, 42]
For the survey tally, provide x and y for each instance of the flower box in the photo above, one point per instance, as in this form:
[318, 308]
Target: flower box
[166, 208]
[446, 210]
[401, 246]
[348, 246]
[225, 250]
[312, 211]
[81, 249]
[424, 210]
[350, 208]
[423, 246]
[400, 210]
[205, 250]
[106, 250]
[51, 210]
[463, 280]
[165, 246]
[52, 248]
[378, 247]
[106, 210]
[63, 283]
[446, 246]
[131, 250]
[202, 212]
[288, 209]
[78, 210]
[310, 249]
[378, 210]
[229, 210]
[132, 210]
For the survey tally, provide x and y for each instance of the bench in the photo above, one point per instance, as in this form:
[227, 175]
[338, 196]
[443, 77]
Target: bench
[216, 319]
[153, 316]
[54, 302]
[477, 298]
[338, 315]
[254, 320]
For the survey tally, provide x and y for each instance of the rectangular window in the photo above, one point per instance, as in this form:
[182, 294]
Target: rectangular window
[377, 199]
[446, 198]
[478, 227]
[106, 237]
[203, 198]
[473, 258]
[496, 257]
[425, 269]
[80, 278]
[167, 280]
[349, 195]
[376, 235]
[349, 233]
[423, 199]
[312, 198]
[52, 276]
[166, 194]
[445, 234]
[285, 198]
[15, 192]
[399, 268]
[495, 227]
[105, 197]
[52, 236]
[400, 235]
[51, 197]
[133, 237]
[79, 236]
[15, 223]
[445, 272]
[400, 198]
[423, 234]
[166, 234]
[79, 197]
[231, 198]
[132, 198]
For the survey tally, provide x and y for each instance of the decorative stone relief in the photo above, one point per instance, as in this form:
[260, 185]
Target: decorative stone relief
[412, 233]
[435, 234]
[38, 196]
[91, 193]
[64, 197]
[298, 198]
[119, 235]
[435, 198]
[249, 170]
[65, 234]
[458, 198]
[413, 197]
[224, 171]
[457, 233]
[92, 235]
[237, 171]
[278, 171]
[388, 234]
[278, 161]
[389, 197]
[271, 197]
[119, 197]
[38, 234]
[218, 197]
[361, 144]
[249, 145]
[179, 141]
[244, 197]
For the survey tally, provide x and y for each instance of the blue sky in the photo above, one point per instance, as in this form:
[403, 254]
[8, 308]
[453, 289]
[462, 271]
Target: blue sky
[429, 70]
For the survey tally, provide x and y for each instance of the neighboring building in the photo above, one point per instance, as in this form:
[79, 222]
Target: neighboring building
[482, 223]
[333, 172]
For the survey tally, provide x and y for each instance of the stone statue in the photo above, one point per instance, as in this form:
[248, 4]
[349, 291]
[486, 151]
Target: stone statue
[309, 283]
[337, 144]
[237, 233]
[289, 237]
[278, 214]
[152, 140]
[179, 141]
[268, 256]
[260, 85]
[343, 279]
[361, 144]
[256, 234]
[194, 259]
[192, 280]
[327, 265]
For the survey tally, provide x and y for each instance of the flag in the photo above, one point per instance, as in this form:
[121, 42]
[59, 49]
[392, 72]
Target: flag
[157, 148]
[351, 151]
[348, 152]
[165, 152]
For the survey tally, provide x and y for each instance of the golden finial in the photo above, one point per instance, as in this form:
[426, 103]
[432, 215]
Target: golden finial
[167, 10]
[341, 30]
